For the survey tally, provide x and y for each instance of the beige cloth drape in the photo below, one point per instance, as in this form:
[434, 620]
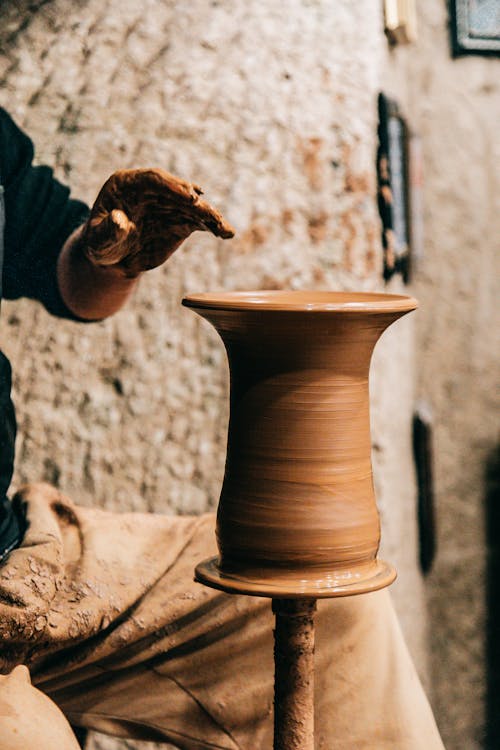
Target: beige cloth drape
[104, 611]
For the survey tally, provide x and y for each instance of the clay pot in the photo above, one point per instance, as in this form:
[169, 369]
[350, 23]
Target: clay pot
[297, 514]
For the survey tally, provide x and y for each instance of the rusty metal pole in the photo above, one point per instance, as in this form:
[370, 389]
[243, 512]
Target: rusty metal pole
[294, 674]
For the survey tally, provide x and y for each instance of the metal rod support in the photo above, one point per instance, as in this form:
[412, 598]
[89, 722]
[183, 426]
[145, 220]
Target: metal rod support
[294, 674]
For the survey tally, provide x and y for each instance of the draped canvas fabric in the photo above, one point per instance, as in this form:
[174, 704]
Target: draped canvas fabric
[103, 609]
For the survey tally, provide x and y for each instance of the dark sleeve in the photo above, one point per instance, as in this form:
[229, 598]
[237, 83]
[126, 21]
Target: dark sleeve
[39, 217]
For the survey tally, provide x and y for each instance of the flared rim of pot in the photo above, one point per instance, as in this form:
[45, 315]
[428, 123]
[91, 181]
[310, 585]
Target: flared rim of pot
[302, 301]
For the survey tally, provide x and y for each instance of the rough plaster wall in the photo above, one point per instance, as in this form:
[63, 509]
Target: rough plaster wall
[271, 107]
[454, 105]
[458, 352]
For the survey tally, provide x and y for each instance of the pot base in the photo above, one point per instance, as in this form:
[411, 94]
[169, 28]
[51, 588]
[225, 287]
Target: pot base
[282, 583]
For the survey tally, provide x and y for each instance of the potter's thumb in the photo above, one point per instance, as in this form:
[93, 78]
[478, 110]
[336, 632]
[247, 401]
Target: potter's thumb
[108, 236]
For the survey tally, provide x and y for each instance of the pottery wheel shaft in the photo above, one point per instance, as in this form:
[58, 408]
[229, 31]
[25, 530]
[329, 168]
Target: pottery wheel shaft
[294, 674]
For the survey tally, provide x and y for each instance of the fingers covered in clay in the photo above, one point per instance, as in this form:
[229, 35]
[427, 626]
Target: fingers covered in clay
[141, 216]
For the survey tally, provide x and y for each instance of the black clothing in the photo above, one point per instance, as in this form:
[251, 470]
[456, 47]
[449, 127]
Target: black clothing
[36, 217]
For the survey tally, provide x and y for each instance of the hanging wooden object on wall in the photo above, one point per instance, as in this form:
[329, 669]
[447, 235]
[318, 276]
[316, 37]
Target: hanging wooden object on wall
[400, 21]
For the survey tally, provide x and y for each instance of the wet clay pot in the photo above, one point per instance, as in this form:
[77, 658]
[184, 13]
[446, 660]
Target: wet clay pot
[297, 514]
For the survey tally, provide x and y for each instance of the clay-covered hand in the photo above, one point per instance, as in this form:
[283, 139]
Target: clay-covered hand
[141, 216]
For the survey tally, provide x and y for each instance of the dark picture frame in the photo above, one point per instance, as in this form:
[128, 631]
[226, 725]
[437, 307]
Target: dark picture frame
[393, 188]
[475, 27]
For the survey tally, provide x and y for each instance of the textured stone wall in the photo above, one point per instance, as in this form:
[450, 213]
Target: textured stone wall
[272, 108]
[455, 106]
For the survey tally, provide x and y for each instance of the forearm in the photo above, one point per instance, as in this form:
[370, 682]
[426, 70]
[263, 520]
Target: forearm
[91, 292]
